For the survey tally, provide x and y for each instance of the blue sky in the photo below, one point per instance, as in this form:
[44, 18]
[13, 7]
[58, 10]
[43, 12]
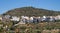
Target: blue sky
[6, 5]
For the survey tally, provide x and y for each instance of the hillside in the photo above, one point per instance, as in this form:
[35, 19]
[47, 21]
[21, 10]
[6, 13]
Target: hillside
[30, 11]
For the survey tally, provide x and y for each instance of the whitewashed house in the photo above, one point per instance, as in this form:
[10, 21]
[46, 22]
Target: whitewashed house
[35, 20]
[39, 19]
[31, 19]
[44, 18]
[24, 18]
[52, 18]
[57, 17]
[15, 18]
[7, 16]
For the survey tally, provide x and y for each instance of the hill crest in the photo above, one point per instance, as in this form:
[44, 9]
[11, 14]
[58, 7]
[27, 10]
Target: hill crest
[30, 11]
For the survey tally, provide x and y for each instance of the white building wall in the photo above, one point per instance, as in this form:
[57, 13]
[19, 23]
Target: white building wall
[15, 18]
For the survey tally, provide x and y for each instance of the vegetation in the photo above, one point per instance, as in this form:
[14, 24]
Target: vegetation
[31, 11]
[42, 27]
